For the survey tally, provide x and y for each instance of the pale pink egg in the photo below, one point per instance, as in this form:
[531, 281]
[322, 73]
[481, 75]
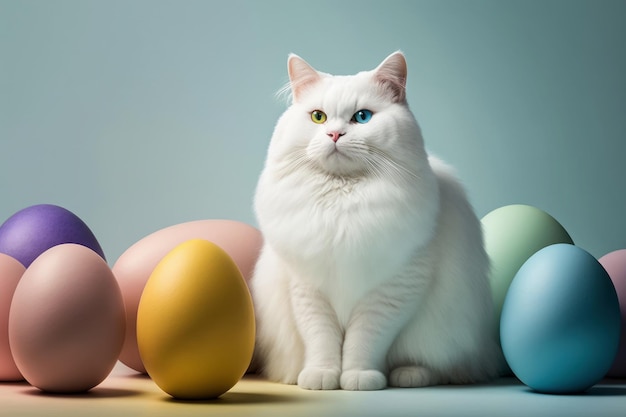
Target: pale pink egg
[67, 321]
[133, 268]
[615, 264]
[11, 271]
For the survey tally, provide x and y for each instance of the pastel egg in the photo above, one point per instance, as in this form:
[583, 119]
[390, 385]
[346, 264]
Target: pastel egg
[615, 265]
[560, 323]
[10, 273]
[29, 232]
[512, 234]
[195, 322]
[133, 268]
[66, 322]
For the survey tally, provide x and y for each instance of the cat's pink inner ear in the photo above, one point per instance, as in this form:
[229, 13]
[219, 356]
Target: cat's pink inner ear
[391, 75]
[301, 75]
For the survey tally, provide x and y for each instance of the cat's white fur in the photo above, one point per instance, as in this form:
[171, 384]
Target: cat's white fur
[373, 271]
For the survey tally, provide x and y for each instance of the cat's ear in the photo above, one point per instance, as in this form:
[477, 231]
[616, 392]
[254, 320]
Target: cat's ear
[391, 75]
[301, 75]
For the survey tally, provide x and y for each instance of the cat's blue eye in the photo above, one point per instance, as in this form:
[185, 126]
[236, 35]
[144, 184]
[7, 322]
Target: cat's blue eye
[362, 116]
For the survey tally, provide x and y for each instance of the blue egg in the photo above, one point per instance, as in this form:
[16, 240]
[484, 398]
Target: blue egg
[560, 323]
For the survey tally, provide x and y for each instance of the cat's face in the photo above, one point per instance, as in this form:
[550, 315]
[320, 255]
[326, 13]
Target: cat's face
[346, 125]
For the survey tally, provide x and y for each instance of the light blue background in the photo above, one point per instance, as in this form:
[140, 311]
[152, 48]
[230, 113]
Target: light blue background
[137, 115]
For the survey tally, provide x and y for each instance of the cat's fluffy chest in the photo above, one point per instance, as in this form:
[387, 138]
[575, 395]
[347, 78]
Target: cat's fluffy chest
[335, 190]
[345, 235]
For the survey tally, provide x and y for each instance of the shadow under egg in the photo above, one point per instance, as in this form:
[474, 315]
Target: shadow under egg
[241, 398]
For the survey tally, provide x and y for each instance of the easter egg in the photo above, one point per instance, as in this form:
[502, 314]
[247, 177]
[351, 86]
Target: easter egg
[29, 232]
[241, 241]
[560, 321]
[66, 322]
[10, 273]
[615, 265]
[195, 322]
[512, 234]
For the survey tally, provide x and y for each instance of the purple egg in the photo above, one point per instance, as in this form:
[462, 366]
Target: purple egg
[615, 265]
[35, 229]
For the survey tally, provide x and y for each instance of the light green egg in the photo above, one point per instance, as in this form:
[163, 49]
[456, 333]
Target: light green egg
[512, 235]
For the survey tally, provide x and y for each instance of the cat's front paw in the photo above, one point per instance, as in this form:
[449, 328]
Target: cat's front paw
[319, 378]
[363, 380]
[411, 377]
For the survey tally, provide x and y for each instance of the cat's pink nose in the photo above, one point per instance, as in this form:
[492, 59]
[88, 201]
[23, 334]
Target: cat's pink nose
[334, 135]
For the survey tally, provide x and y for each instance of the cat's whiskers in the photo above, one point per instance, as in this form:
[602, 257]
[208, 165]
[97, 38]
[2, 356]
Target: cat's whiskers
[391, 164]
[375, 162]
[372, 167]
[294, 161]
[380, 163]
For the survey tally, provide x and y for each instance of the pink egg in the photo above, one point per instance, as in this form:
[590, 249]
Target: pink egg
[615, 265]
[11, 271]
[133, 268]
[67, 321]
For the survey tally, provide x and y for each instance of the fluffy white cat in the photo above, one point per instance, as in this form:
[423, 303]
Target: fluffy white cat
[373, 270]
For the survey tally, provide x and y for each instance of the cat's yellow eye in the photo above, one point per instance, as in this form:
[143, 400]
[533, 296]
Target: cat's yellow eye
[318, 116]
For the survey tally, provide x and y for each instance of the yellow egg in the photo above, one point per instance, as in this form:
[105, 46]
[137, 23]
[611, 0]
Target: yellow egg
[242, 242]
[195, 322]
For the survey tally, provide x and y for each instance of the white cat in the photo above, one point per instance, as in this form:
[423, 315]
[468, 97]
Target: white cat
[373, 270]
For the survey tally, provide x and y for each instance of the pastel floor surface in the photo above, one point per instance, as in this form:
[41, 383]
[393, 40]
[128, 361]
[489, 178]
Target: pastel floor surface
[125, 393]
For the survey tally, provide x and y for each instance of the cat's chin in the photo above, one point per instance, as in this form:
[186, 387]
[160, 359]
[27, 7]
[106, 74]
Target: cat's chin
[338, 165]
[336, 162]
